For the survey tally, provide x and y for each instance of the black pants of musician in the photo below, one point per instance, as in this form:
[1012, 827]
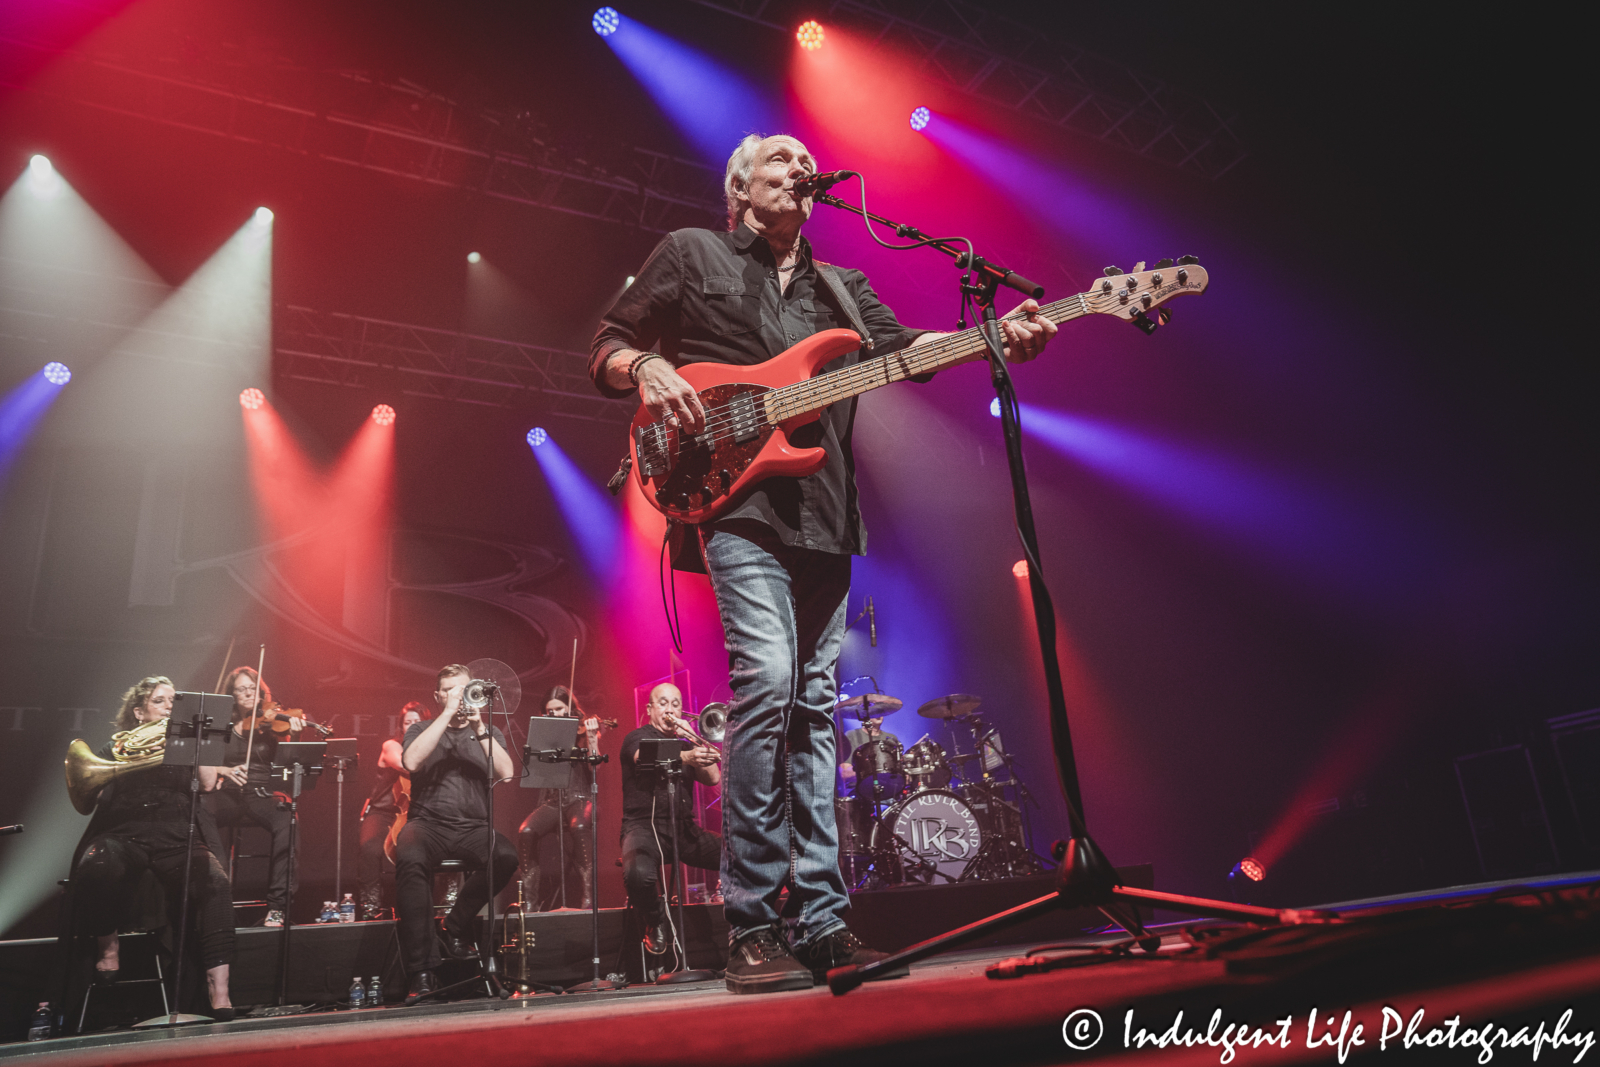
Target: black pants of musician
[233, 808]
[419, 847]
[577, 838]
[642, 859]
[106, 879]
[371, 863]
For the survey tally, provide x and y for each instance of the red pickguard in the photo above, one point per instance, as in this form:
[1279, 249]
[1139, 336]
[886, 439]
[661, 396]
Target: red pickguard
[702, 483]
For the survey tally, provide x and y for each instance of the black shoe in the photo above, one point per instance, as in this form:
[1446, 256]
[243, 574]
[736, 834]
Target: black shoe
[457, 948]
[223, 1015]
[657, 938]
[422, 984]
[107, 977]
[761, 962]
[841, 949]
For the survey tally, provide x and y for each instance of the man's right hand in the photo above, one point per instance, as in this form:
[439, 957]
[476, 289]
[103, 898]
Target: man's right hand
[663, 390]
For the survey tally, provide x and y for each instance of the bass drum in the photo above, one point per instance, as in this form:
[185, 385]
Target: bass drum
[933, 833]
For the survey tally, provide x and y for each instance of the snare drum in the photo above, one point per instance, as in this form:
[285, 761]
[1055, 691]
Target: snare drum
[877, 766]
[925, 767]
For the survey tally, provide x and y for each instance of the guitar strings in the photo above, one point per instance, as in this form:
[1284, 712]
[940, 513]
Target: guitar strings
[908, 362]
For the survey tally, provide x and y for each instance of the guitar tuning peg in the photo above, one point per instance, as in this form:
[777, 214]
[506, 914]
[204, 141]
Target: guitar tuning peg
[1112, 272]
[1186, 260]
[1139, 266]
[1163, 264]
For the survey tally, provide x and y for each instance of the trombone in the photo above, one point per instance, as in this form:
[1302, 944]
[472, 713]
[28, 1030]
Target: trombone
[713, 721]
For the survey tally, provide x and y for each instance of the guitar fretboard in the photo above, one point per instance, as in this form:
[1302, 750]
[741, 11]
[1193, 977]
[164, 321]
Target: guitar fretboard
[816, 393]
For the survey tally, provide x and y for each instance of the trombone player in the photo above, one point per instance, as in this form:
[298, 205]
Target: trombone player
[646, 814]
[141, 823]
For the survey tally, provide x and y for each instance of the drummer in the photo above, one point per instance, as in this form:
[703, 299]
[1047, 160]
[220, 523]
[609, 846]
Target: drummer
[869, 730]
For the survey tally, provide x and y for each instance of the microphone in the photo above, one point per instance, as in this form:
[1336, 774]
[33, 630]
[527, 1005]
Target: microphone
[820, 183]
[872, 622]
[15, 828]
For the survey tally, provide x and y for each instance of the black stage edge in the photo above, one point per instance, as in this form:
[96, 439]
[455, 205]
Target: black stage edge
[892, 919]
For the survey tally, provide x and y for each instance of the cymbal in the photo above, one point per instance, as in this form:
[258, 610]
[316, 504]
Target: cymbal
[954, 706]
[872, 705]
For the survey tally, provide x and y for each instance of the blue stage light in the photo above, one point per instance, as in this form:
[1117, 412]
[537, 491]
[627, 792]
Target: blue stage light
[606, 21]
[920, 117]
[537, 435]
[57, 373]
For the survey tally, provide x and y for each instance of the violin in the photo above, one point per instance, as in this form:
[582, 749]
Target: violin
[275, 720]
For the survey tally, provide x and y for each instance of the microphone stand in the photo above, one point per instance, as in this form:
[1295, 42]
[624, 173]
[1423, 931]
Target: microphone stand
[1085, 877]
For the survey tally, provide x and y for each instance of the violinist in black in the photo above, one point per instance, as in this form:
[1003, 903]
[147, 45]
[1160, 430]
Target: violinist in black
[246, 797]
[383, 807]
[569, 809]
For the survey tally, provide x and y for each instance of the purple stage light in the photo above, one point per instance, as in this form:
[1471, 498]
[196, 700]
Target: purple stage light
[590, 515]
[57, 373]
[537, 436]
[20, 411]
[606, 21]
[710, 104]
[920, 117]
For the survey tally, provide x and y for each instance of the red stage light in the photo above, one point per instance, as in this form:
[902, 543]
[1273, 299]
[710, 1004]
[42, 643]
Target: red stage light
[1020, 568]
[810, 35]
[252, 399]
[1252, 869]
[383, 415]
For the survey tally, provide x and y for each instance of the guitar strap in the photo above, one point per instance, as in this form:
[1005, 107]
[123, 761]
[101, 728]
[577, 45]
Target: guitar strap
[843, 300]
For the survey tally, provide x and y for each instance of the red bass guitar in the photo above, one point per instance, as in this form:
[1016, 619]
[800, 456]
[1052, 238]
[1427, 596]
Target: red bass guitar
[750, 410]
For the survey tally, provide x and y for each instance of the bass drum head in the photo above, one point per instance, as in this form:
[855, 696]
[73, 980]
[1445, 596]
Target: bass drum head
[933, 832]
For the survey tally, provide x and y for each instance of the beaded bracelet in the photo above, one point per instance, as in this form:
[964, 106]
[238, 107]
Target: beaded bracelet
[638, 361]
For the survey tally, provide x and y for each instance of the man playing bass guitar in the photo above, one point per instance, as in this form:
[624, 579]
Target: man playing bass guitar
[779, 558]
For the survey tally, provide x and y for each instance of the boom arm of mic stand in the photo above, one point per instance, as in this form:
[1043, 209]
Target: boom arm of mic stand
[965, 260]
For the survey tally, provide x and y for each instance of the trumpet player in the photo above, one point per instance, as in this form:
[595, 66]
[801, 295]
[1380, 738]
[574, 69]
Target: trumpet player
[646, 812]
[452, 760]
[141, 823]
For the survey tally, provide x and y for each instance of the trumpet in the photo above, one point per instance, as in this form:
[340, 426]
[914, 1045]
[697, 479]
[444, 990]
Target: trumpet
[137, 749]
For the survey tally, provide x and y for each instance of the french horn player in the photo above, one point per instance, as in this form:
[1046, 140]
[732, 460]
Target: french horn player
[140, 824]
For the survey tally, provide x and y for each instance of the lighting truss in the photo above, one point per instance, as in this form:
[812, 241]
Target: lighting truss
[399, 128]
[1005, 62]
[333, 348]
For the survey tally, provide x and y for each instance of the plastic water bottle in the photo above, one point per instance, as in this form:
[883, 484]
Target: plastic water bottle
[374, 993]
[358, 994]
[347, 908]
[330, 913]
[40, 1028]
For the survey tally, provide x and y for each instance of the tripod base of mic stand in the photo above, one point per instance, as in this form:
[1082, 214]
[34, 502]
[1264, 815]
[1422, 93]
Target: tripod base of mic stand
[679, 977]
[1085, 879]
[176, 1018]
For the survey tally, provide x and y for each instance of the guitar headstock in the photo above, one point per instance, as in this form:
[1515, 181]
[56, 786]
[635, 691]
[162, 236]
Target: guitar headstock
[1132, 296]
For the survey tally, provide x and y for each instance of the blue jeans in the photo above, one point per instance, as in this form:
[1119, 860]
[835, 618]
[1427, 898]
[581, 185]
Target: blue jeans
[783, 612]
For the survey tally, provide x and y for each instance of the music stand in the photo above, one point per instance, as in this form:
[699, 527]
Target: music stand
[191, 742]
[547, 764]
[662, 753]
[299, 764]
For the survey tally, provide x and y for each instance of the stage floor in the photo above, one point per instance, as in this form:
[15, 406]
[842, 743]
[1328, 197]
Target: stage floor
[1514, 956]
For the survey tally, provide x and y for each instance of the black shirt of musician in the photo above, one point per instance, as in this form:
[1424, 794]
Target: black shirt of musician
[382, 798]
[709, 297]
[644, 787]
[448, 788]
[261, 753]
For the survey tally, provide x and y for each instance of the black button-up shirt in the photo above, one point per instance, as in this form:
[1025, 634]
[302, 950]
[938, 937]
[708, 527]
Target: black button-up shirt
[708, 297]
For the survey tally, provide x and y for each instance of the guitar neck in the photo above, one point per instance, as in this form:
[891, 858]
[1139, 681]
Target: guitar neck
[816, 393]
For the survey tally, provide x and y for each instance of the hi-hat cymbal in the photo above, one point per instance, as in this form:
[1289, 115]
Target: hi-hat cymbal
[954, 706]
[872, 705]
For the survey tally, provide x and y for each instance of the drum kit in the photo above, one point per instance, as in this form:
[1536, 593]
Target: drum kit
[920, 815]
